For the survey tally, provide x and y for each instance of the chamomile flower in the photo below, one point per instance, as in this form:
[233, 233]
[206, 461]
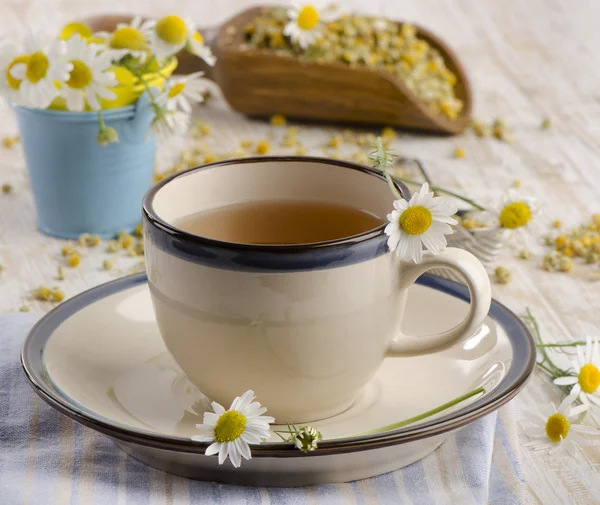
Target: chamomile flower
[305, 23]
[172, 122]
[10, 56]
[423, 221]
[40, 73]
[126, 39]
[587, 369]
[196, 45]
[555, 429]
[232, 431]
[515, 213]
[167, 35]
[89, 77]
[180, 91]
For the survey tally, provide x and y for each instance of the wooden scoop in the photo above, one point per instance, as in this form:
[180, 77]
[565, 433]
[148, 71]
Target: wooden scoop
[259, 83]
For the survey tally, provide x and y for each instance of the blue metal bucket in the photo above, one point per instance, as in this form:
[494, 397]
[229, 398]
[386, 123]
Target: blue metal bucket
[80, 186]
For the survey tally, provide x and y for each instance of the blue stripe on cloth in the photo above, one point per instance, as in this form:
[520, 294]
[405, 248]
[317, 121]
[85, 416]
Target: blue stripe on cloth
[16, 405]
[500, 493]
[137, 481]
[328, 493]
[509, 449]
[415, 482]
[204, 493]
[288, 496]
[77, 457]
[359, 497]
[107, 472]
[234, 495]
[474, 461]
[385, 487]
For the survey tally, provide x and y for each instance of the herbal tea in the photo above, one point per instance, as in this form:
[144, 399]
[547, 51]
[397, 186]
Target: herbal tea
[273, 222]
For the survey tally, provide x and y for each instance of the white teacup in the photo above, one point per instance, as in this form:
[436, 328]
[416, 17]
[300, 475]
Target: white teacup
[305, 326]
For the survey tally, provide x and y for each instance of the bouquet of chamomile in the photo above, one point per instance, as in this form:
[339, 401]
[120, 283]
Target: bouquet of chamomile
[82, 71]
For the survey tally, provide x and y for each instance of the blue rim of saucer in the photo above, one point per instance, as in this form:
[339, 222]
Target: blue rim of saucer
[519, 371]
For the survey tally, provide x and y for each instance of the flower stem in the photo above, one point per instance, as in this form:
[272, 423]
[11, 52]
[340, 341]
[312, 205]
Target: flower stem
[570, 344]
[424, 415]
[442, 190]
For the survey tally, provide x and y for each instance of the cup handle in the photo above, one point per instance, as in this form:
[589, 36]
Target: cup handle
[480, 290]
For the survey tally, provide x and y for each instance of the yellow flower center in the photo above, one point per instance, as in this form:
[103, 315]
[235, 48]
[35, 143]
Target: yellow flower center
[37, 67]
[198, 37]
[308, 17]
[75, 28]
[124, 76]
[175, 90]
[416, 220]
[557, 427]
[80, 76]
[128, 38]
[515, 215]
[12, 82]
[172, 30]
[589, 378]
[230, 426]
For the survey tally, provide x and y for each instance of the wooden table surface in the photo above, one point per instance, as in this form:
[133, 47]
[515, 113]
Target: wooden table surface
[526, 60]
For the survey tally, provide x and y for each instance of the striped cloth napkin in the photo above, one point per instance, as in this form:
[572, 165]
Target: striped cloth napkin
[47, 459]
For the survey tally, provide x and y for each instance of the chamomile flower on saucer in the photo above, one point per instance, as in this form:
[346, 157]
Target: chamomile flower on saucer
[89, 77]
[232, 431]
[41, 73]
[180, 91]
[423, 221]
[586, 380]
[306, 19]
[556, 429]
[10, 56]
[126, 39]
[167, 35]
[196, 45]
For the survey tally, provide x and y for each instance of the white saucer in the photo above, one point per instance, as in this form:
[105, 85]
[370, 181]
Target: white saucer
[99, 359]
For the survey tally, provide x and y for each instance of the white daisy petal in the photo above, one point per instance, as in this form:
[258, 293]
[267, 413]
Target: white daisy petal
[213, 449]
[565, 381]
[254, 429]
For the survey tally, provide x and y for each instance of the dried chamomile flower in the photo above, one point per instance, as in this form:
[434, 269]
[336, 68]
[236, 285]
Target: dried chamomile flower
[278, 120]
[246, 144]
[113, 246]
[367, 140]
[60, 273]
[125, 239]
[82, 240]
[93, 241]
[360, 157]
[107, 265]
[556, 224]
[502, 275]
[335, 141]
[24, 308]
[459, 152]
[43, 293]
[565, 264]
[68, 249]
[7, 189]
[10, 141]
[131, 251]
[263, 147]
[388, 134]
[300, 150]
[57, 295]
[524, 254]
[480, 129]
[546, 123]
[501, 131]
[290, 137]
[73, 260]
[209, 158]
[517, 183]
[138, 231]
[139, 247]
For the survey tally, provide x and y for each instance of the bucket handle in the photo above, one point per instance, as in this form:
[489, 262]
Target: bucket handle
[136, 128]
